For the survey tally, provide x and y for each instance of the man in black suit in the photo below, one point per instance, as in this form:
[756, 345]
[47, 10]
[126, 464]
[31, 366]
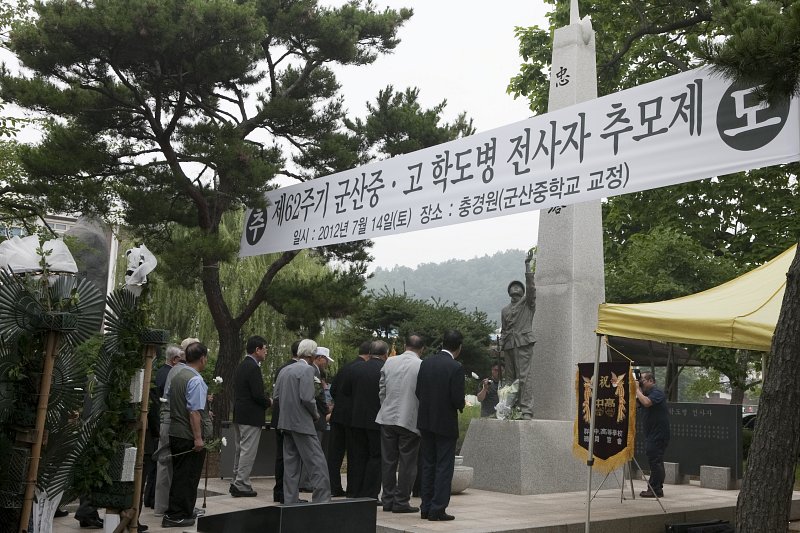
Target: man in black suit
[363, 390]
[440, 390]
[277, 491]
[341, 428]
[249, 404]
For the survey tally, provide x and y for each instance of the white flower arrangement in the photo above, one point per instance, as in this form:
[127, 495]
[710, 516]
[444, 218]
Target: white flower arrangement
[508, 399]
[224, 441]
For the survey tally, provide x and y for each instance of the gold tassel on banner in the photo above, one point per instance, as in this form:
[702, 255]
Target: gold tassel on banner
[621, 394]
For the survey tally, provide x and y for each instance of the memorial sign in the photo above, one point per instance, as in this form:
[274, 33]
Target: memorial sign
[701, 434]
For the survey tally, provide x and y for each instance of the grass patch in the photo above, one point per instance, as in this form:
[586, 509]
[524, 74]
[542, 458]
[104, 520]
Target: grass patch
[464, 418]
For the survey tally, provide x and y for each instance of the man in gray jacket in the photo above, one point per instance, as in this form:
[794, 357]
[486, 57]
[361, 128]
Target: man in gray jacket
[294, 390]
[398, 420]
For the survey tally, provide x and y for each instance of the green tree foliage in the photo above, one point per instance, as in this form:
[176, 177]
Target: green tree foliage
[761, 45]
[392, 316]
[662, 264]
[479, 283]
[168, 114]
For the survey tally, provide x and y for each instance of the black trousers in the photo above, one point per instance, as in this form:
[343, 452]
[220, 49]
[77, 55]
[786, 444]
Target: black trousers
[337, 445]
[366, 446]
[438, 455]
[187, 467]
[149, 473]
[277, 491]
[655, 456]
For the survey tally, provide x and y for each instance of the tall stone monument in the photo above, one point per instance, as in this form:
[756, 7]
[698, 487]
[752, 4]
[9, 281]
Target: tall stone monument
[570, 282]
[535, 456]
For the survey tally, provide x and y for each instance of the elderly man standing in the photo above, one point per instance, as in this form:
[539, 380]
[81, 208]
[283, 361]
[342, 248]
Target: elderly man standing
[294, 390]
[398, 420]
[189, 427]
[163, 455]
[249, 404]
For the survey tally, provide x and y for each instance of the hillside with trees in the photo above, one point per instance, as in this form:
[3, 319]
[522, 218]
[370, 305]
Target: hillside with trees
[478, 283]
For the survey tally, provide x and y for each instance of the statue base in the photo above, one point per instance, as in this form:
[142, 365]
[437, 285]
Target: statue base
[525, 457]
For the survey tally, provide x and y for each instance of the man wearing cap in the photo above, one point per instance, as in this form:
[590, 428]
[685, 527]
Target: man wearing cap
[249, 405]
[294, 390]
[517, 336]
[163, 455]
[322, 359]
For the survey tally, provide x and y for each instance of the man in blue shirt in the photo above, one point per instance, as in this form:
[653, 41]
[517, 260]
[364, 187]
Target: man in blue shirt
[189, 428]
[656, 430]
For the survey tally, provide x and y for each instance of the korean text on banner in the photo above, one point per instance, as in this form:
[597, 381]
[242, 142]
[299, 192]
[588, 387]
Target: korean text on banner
[687, 127]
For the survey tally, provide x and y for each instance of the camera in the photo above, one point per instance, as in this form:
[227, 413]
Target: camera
[637, 374]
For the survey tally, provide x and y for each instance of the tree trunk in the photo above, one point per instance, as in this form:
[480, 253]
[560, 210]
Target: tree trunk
[765, 499]
[739, 381]
[231, 350]
[737, 395]
[230, 345]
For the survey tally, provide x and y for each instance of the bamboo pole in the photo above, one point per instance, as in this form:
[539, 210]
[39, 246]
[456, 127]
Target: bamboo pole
[51, 346]
[149, 355]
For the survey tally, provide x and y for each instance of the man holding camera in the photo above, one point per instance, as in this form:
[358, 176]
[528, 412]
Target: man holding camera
[488, 393]
[656, 430]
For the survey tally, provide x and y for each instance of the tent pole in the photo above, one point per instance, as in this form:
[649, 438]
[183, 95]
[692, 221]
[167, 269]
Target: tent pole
[590, 459]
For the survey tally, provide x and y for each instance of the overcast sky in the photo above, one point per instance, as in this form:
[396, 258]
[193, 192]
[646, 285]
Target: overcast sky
[463, 51]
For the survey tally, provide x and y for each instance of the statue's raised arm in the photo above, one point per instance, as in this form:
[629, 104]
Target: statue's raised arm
[517, 334]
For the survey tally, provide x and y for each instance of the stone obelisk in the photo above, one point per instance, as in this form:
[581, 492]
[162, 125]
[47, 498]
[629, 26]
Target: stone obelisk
[535, 456]
[570, 283]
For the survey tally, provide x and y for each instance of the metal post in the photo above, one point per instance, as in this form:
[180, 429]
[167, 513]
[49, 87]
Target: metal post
[590, 459]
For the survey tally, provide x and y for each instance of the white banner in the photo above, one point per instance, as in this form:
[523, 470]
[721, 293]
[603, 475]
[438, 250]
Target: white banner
[683, 128]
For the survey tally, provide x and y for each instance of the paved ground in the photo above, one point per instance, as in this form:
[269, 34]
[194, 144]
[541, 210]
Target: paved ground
[479, 511]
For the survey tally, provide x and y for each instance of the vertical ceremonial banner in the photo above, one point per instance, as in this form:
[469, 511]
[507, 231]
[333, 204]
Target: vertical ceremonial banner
[615, 415]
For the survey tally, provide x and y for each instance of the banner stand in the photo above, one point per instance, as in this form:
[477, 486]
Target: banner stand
[590, 459]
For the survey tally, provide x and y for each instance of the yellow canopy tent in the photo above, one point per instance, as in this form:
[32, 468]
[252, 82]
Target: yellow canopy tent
[741, 313]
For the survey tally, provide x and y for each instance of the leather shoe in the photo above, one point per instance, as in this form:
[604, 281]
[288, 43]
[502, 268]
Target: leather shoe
[650, 494]
[387, 508]
[141, 528]
[440, 517]
[91, 523]
[176, 522]
[423, 515]
[337, 493]
[60, 513]
[405, 509]
[236, 493]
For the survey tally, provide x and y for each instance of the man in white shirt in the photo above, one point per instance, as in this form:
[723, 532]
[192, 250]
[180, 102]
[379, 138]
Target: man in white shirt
[398, 419]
